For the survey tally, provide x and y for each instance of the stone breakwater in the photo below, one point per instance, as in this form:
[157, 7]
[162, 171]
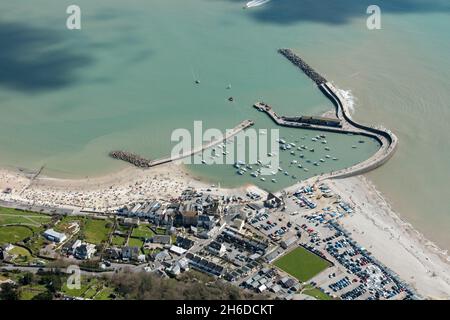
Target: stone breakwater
[387, 139]
[297, 61]
[132, 158]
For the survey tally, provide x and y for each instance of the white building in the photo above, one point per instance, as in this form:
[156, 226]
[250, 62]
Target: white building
[288, 242]
[217, 248]
[54, 236]
[177, 250]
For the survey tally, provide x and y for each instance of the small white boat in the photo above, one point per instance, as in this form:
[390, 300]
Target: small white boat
[263, 179]
[274, 180]
[203, 161]
[306, 169]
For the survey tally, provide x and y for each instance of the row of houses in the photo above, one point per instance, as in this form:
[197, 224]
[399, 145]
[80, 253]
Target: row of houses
[240, 240]
[203, 265]
[127, 253]
[202, 212]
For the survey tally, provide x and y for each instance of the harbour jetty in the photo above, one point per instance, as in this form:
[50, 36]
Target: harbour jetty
[388, 140]
[228, 134]
[141, 162]
[130, 157]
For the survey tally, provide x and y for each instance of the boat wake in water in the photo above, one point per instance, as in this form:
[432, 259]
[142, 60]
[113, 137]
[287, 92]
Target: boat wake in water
[255, 3]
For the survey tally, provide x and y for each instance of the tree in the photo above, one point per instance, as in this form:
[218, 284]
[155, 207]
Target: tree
[27, 279]
[46, 295]
[9, 292]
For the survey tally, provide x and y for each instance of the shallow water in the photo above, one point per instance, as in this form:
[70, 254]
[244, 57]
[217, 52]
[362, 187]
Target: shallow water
[126, 80]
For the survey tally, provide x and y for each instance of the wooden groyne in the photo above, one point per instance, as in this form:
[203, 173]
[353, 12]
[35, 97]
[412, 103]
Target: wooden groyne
[144, 163]
[387, 139]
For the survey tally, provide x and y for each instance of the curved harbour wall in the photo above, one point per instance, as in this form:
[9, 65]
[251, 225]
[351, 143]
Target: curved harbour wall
[387, 139]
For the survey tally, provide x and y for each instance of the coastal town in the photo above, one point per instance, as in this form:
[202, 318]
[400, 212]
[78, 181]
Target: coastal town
[288, 245]
[294, 244]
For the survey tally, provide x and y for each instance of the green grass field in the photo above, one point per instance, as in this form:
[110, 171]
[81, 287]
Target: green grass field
[142, 231]
[302, 264]
[104, 294]
[13, 234]
[12, 216]
[66, 224]
[118, 241]
[316, 293]
[75, 292]
[30, 291]
[135, 243]
[160, 231]
[89, 289]
[20, 251]
[96, 231]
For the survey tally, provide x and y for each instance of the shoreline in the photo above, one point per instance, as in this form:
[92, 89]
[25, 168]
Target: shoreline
[393, 241]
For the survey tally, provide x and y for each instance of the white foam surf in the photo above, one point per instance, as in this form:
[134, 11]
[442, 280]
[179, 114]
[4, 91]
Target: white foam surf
[256, 3]
[350, 98]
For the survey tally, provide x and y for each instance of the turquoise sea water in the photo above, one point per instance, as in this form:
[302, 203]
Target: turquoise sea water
[126, 80]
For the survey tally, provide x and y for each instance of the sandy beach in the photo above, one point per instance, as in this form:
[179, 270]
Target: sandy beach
[101, 193]
[374, 225]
